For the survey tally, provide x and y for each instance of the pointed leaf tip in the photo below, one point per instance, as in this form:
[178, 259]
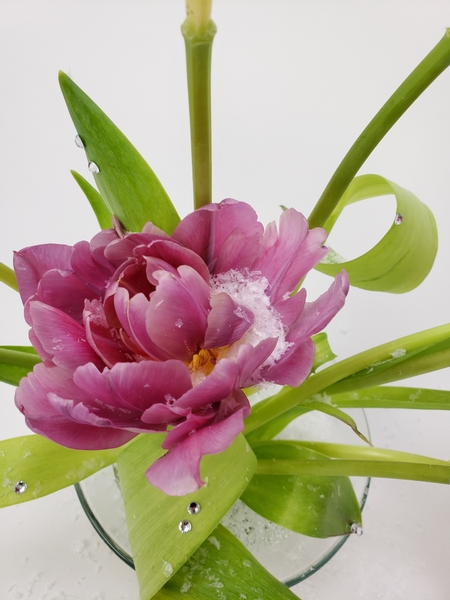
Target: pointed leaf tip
[126, 182]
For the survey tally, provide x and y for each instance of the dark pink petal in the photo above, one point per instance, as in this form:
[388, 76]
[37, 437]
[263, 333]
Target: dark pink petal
[133, 317]
[91, 266]
[293, 367]
[135, 386]
[104, 340]
[227, 322]
[316, 315]
[216, 386]
[62, 338]
[178, 472]
[31, 263]
[193, 422]
[206, 230]
[32, 399]
[177, 317]
[175, 255]
[164, 414]
[285, 258]
[65, 291]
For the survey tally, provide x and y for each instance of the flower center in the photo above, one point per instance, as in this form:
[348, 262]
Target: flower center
[204, 361]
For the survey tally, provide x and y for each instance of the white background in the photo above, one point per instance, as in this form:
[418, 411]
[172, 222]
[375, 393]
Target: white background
[294, 82]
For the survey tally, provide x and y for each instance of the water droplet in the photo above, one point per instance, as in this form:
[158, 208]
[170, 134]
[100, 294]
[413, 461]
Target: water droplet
[354, 528]
[179, 323]
[185, 526]
[20, 487]
[167, 568]
[398, 219]
[79, 142]
[193, 508]
[93, 167]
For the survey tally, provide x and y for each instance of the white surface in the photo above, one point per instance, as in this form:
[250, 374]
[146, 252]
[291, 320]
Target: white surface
[294, 83]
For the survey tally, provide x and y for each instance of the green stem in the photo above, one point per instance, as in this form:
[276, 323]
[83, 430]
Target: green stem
[198, 41]
[18, 359]
[360, 468]
[8, 276]
[287, 398]
[416, 83]
[394, 397]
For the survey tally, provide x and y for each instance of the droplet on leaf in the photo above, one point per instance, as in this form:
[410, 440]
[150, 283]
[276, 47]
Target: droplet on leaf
[20, 487]
[185, 526]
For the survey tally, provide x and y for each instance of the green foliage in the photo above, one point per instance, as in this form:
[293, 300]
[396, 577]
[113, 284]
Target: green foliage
[404, 256]
[45, 467]
[16, 362]
[102, 212]
[126, 183]
[223, 568]
[158, 547]
[309, 504]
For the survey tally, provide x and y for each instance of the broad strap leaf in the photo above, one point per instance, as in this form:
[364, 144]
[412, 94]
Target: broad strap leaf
[159, 549]
[45, 467]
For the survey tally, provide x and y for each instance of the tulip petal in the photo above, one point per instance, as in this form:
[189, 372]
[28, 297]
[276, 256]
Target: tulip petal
[31, 263]
[61, 337]
[177, 316]
[227, 322]
[178, 472]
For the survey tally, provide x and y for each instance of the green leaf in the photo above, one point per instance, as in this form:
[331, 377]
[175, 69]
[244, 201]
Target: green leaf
[323, 351]
[423, 469]
[394, 397]
[308, 504]
[127, 184]
[420, 352]
[404, 256]
[16, 362]
[320, 402]
[45, 467]
[102, 212]
[415, 362]
[8, 276]
[223, 569]
[158, 548]
[417, 82]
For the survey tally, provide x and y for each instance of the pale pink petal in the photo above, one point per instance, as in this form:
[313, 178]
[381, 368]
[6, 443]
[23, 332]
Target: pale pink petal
[286, 258]
[227, 322]
[178, 472]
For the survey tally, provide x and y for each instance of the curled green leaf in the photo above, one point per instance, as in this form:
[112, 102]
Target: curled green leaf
[404, 256]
